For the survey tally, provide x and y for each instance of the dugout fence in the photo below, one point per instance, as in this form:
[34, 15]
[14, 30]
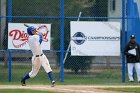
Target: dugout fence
[59, 13]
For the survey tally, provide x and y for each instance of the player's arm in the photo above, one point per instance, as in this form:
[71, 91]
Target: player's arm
[45, 40]
[126, 50]
[37, 32]
[40, 33]
[42, 39]
[138, 48]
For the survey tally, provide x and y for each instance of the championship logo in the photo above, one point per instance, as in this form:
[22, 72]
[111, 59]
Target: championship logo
[79, 38]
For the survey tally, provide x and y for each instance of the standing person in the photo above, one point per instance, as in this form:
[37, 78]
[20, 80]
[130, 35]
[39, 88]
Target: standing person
[38, 58]
[132, 52]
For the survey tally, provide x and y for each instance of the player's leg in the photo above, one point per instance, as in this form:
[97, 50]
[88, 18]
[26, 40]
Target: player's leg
[35, 68]
[47, 68]
[130, 71]
[36, 64]
[137, 67]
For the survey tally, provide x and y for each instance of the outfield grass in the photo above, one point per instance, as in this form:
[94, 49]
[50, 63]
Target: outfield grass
[24, 91]
[134, 90]
[105, 76]
[100, 77]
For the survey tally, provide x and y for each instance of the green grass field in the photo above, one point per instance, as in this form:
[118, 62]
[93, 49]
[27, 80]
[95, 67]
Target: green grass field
[98, 77]
[132, 90]
[105, 76]
[25, 91]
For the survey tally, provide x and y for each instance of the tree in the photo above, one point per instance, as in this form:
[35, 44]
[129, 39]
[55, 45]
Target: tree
[101, 9]
[78, 63]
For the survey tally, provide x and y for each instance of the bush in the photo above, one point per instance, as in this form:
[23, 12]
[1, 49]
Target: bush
[78, 63]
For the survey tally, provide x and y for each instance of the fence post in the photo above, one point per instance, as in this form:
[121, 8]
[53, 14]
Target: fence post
[123, 41]
[61, 40]
[9, 52]
[9, 66]
[9, 10]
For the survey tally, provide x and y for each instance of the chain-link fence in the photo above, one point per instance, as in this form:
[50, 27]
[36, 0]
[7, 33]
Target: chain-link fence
[59, 13]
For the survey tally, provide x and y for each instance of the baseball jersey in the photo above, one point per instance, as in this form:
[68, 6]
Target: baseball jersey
[35, 44]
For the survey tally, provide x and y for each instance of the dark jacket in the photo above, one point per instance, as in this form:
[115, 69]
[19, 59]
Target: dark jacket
[130, 58]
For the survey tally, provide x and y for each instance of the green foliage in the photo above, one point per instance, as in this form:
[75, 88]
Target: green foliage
[36, 8]
[73, 7]
[100, 10]
[76, 63]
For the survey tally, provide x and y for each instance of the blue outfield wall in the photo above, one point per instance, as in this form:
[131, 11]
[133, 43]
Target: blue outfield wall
[133, 20]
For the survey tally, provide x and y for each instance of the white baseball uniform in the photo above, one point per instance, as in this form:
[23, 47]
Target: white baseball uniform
[38, 58]
[130, 70]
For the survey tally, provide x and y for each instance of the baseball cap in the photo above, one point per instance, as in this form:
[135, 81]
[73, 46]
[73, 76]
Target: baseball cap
[132, 36]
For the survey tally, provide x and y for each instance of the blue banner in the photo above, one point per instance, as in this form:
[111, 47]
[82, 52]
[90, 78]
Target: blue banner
[133, 20]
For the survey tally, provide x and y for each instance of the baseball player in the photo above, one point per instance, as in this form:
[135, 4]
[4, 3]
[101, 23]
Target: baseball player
[132, 52]
[38, 58]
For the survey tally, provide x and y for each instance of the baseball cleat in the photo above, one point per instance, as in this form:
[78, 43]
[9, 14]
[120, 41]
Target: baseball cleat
[23, 83]
[131, 80]
[53, 84]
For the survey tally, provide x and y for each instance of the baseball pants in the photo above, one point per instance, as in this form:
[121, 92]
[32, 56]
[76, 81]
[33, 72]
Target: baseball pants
[37, 62]
[130, 70]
